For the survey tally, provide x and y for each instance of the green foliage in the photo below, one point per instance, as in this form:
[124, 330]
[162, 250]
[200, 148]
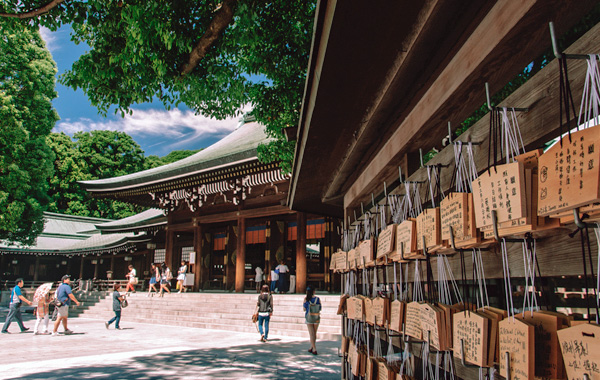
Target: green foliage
[26, 117]
[176, 155]
[138, 50]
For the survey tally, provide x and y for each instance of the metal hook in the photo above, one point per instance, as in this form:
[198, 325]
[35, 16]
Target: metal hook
[579, 220]
[507, 358]
[496, 235]
[421, 156]
[462, 356]
[555, 49]
[425, 252]
[489, 103]
[449, 133]
[385, 189]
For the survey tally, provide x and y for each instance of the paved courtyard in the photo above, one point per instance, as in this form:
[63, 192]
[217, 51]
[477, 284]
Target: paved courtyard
[144, 351]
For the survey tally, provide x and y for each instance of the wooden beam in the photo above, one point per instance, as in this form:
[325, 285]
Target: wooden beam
[197, 270]
[301, 267]
[508, 34]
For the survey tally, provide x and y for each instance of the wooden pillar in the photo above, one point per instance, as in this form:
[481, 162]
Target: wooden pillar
[197, 269]
[97, 267]
[240, 258]
[37, 268]
[81, 267]
[230, 250]
[169, 247]
[301, 272]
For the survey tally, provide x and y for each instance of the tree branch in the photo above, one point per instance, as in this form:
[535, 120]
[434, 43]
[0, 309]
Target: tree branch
[36, 12]
[222, 19]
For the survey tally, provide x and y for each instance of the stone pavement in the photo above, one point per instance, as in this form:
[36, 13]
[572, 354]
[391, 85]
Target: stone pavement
[145, 352]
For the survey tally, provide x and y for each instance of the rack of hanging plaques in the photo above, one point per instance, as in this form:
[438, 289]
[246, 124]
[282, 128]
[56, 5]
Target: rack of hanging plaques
[483, 263]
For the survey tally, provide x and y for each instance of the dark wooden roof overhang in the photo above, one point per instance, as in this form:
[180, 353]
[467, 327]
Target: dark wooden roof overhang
[385, 78]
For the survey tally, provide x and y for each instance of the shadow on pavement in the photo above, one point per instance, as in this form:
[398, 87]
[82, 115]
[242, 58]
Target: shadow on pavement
[260, 361]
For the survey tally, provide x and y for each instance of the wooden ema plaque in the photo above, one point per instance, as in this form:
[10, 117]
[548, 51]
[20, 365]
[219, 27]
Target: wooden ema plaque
[381, 311]
[341, 261]
[517, 338]
[501, 189]
[397, 313]
[472, 329]
[355, 306]
[413, 320]
[384, 372]
[386, 242]
[569, 176]
[547, 324]
[365, 251]
[352, 259]
[406, 238]
[368, 308]
[453, 212]
[429, 225]
[433, 326]
[580, 347]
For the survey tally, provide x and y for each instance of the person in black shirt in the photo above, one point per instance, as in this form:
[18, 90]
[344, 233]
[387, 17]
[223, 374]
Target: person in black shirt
[117, 299]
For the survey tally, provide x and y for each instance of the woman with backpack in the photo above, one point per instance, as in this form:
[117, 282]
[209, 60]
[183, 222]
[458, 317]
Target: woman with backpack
[165, 280]
[264, 307]
[312, 314]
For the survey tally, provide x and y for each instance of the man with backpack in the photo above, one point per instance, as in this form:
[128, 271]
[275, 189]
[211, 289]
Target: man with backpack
[14, 311]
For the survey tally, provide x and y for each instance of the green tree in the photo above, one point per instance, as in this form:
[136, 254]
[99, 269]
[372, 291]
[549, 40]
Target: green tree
[108, 154]
[202, 54]
[26, 117]
[176, 155]
[67, 195]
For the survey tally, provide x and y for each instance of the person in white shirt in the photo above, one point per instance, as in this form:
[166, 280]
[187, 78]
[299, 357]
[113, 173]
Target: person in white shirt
[133, 280]
[258, 278]
[283, 271]
[274, 279]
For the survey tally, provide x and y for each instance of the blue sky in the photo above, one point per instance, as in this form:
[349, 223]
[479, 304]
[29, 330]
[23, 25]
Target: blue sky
[157, 130]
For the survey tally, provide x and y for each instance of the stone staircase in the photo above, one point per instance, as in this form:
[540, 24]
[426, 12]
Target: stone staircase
[219, 311]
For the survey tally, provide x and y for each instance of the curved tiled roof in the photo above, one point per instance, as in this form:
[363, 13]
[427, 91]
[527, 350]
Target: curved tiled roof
[149, 218]
[239, 146]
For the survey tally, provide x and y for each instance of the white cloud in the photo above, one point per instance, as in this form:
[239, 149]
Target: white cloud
[174, 125]
[50, 38]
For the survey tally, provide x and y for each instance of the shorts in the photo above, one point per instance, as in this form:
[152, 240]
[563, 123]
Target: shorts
[152, 280]
[63, 311]
[181, 277]
[164, 282]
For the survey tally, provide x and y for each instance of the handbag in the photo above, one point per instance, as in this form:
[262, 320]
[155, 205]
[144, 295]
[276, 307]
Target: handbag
[254, 317]
[124, 303]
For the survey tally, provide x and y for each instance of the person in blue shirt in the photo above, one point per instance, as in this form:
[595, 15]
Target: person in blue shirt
[14, 311]
[65, 295]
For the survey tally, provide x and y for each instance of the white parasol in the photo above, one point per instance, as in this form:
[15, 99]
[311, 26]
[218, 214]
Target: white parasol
[41, 291]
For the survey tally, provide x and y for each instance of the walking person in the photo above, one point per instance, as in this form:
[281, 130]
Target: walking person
[181, 273]
[274, 279]
[154, 279]
[258, 277]
[264, 307]
[165, 279]
[14, 310]
[42, 315]
[283, 272]
[64, 294]
[117, 299]
[133, 280]
[312, 314]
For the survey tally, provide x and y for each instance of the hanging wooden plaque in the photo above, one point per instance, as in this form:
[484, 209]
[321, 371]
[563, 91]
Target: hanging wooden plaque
[352, 259]
[429, 225]
[517, 338]
[413, 320]
[433, 326]
[355, 306]
[580, 347]
[397, 313]
[548, 365]
[386, 241]
[381, 311]
[366, 251]
[501, 189]
[472, 329]
[368, 308]
[453, 213]
[341, 261]
[569, 176]
[406, 238]
[384, 372]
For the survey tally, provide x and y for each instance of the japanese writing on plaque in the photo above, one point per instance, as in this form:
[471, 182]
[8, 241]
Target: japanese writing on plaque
[517, 338]
[568, 175]
[502, 190]
[385, 241]
[428, 226]
[580, 346]
[471, 329]
[453, 211]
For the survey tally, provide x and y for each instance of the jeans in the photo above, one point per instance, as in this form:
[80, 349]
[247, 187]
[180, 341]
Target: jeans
[116, 318]
[260, 325]
[14, 312]
[282, 282]
[273, 285]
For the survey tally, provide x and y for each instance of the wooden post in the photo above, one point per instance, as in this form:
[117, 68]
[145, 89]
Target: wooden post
[169, 247]
[37, 268]
[198, 242]
[230, 249]
[97, 267]
[240, 261]
[301, 272]
[81, 267]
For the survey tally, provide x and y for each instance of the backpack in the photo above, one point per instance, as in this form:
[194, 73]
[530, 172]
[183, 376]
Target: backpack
[169, 275]
[314, 312]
